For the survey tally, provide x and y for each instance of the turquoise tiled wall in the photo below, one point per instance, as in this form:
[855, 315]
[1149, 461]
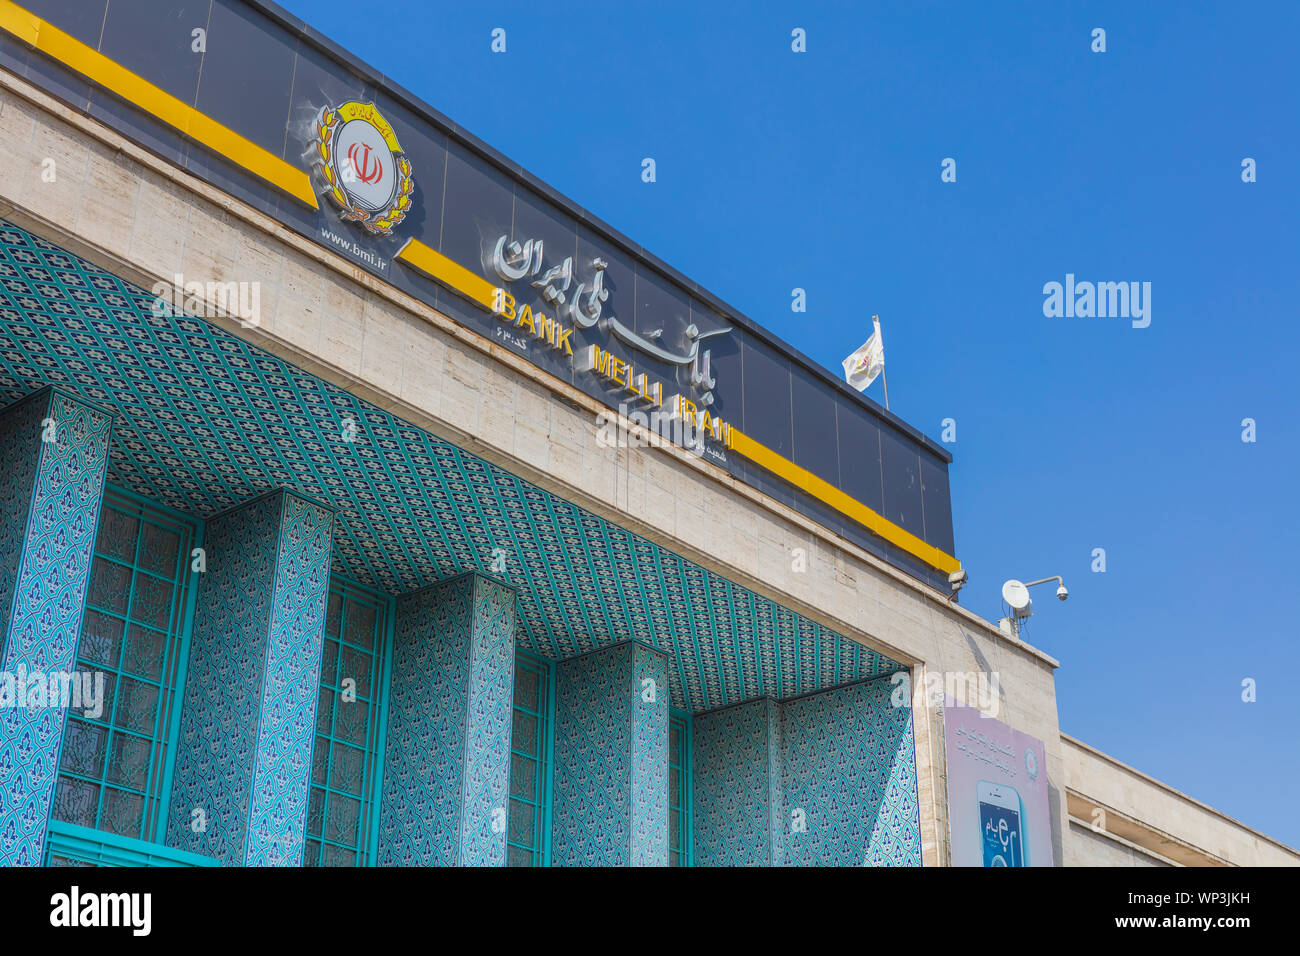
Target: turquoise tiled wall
[610, 798]
[848, 760]
[247, 726]
[737, 777]
[51, 485]
[447, 764]
[828, 779]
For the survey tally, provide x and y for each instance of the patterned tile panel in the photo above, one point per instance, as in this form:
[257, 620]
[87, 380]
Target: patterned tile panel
[223, 688]
[291, 686]
[207, 421]
[848, 761]
[591, 801]
[649, 757]
[775, 783]
[447, 764]
[20, 432]
[423, 763]
[823, 780]
[737, 783]
[610, 797]
[244, 755]
[49, 507]
[896, 831]
[489, 716]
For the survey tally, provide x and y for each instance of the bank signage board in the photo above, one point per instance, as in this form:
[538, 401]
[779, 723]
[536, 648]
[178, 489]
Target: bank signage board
[579, 302]
[539, 301]
[543, 289]
[330, 149]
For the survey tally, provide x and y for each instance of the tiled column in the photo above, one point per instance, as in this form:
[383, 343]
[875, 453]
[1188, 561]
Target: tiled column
[53, 464]
[447, 756]
[610, 800]
[737, 771]
[243, 764]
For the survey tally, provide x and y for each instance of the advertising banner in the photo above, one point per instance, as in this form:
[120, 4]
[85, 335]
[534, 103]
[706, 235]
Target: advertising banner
[998, 807]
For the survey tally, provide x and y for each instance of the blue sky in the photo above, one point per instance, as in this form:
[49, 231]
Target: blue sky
[821, 170]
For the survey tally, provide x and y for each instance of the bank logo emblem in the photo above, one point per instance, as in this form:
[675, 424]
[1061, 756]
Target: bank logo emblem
[365, 165]
[361, 166]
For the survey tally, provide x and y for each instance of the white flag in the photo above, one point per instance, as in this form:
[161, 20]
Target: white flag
[862, 367]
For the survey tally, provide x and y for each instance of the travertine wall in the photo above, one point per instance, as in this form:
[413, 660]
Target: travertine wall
[1083, 847]
[143, 219]
[1156, 817]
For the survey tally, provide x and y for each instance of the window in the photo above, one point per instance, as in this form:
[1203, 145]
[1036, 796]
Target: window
[679, 789]
[529, 759]
[112, 766]
[343, 806]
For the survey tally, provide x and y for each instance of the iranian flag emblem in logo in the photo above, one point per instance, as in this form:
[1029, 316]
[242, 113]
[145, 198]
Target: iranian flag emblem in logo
[361, 166]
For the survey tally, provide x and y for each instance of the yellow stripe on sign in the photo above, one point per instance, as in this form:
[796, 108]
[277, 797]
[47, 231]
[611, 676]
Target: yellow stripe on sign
[452, 274]
[437, 266]
[139, 92]
[99, 69]
[827, 493]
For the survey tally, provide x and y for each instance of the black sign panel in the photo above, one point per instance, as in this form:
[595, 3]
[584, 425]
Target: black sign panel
[390, 171]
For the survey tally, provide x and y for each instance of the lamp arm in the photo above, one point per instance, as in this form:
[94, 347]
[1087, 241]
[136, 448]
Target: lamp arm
[1057, 578]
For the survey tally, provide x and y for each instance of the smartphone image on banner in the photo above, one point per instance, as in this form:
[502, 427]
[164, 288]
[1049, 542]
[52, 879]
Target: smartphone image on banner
[1001, 830]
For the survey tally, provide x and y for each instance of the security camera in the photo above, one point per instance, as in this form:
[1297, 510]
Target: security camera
[957, 580]
[1016, 596]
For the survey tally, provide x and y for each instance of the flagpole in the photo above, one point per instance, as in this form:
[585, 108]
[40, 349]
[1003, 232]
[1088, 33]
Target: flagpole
[884, 379]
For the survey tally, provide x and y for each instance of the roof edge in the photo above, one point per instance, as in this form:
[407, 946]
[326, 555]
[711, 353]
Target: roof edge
[467, 139]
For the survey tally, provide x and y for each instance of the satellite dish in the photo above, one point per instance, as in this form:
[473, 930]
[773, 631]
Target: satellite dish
[1016, 595]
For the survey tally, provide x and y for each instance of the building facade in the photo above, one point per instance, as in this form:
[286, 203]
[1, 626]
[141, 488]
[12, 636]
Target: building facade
[366, 502]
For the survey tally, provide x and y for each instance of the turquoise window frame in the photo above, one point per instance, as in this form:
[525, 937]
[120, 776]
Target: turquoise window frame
[544, 771]
[71, 845]
[684, 808]
[156, 792]
[371, 795]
